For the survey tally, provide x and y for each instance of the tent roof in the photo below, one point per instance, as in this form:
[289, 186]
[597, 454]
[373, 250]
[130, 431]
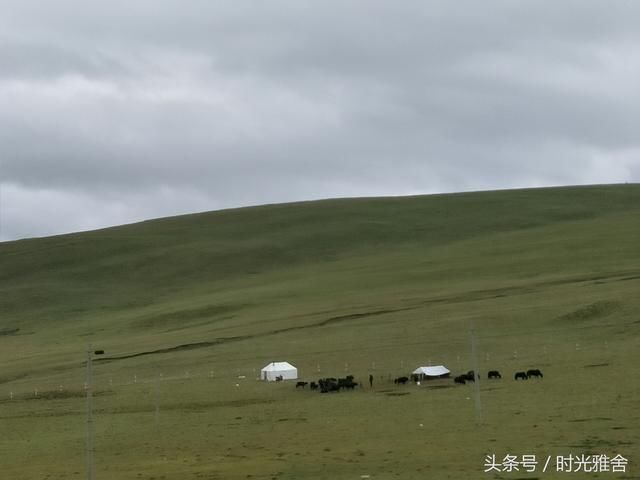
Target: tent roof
[277, 366]
[435, 371]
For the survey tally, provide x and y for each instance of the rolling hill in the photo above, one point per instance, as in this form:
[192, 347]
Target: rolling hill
[543, 277]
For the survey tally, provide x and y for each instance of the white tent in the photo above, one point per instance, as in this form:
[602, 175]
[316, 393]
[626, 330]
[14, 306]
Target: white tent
[279, 369]
[437, 371]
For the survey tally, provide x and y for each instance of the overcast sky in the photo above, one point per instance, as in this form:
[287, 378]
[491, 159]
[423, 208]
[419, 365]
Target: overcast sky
[118, 111]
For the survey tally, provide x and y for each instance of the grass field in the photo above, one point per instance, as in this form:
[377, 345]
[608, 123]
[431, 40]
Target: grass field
[188, 309]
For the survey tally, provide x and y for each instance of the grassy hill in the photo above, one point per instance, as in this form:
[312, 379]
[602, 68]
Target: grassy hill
[546, 278]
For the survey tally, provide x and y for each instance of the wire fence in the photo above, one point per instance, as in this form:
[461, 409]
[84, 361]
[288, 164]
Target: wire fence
[383, 369]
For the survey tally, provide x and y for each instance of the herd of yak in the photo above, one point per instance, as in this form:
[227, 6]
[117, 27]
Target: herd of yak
[470, 376]
[326, 385]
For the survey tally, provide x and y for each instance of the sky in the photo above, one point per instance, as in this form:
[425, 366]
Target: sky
[120, 111]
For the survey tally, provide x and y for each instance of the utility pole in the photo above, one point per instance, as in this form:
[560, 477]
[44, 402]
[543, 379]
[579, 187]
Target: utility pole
[476, 383]
[90, 432]
[156, 400]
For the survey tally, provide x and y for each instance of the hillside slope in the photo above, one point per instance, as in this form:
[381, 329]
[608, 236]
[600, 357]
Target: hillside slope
[152, 276]
[198, 278]
[543, 277]
[117, 266]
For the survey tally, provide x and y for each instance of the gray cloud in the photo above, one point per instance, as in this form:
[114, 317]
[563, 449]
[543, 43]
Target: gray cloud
[123, 111]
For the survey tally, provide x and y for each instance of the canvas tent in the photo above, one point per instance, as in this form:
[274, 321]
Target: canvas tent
[426, 373]
[279, 369]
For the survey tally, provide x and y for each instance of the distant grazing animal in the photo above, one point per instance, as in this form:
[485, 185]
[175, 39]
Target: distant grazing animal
[521, 375]
[494, 374]
[302, 384]
[534, 372]
[279, 378]
[460, 379]
[347, 382]
[332, 387]
[328, 385]
[468, 377]
[401, 380]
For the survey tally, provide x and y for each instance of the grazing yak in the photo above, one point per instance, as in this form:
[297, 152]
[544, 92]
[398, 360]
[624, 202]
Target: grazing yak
[302, 384]
[460, 379]
[401, 380]
[520, 375]
[327, 385]
[493, 374]
[348, 384]
[313, 386]
[470, 376]
[534, 372]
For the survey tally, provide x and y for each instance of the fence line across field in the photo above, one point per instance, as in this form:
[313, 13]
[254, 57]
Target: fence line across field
[12, 391]
[50, 391]
[26, 390]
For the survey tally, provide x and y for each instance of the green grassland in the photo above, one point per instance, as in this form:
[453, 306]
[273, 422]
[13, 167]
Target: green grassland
[189, 308]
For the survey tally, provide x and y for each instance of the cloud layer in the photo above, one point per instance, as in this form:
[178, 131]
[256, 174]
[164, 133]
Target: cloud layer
[121, 111]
